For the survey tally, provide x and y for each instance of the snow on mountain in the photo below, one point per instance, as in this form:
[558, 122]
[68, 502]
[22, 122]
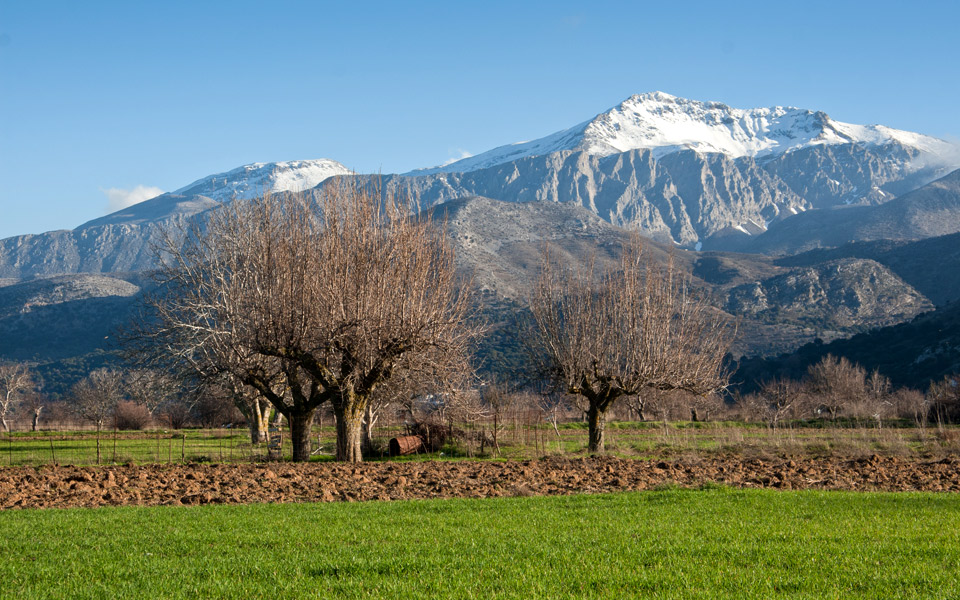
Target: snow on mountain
[257, 179]
[667, 124]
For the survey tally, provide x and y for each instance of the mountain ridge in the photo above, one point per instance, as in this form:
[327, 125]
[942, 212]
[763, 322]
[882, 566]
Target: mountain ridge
[257, 179]
[686, 196]
[666, 124]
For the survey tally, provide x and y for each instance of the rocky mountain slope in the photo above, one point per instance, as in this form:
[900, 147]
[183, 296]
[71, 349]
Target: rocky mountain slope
[930, 211]
[64, 316]
[112, 244]
[931, 266]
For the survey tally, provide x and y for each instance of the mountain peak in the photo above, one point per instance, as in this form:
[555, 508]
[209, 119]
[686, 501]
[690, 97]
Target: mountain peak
[257, 179]
[656, 96]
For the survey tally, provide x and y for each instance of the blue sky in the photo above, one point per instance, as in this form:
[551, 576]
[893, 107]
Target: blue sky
[97, 96]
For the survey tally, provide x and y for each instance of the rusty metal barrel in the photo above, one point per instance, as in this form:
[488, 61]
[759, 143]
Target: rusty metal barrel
[407, 444]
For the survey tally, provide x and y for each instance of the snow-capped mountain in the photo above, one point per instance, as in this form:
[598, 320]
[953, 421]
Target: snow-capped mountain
[666, 124]
[257, 179]
[701, 175]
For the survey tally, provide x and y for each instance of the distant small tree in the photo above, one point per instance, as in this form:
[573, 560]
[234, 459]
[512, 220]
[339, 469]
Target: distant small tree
[499, 401]
[836, 383]
[911, 404]
[876, 402]
[640, 403]
[35, 404]
[176, 415]
[95, 398]
[615, 333]
[215, 408]
[944, 399]
[15, 382]
[702, 407]
[781, 396]
[750, 407]
[131, 416]
[552, 406]
[150, 388]
[840, 386]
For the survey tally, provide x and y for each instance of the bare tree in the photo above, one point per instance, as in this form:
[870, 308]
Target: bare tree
[944, 399]
[615, 333]
[329, 295]
[780, 397]
[34, 404]
[96, 397]
[150, 388]
[912, 404]
[499, 401]
[701, 407]
[15, 381]
[551, 406]
[750, 407]
[876, 402]
[233, 295]
[837, 384]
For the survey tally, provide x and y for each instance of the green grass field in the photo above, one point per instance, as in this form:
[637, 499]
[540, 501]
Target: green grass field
[673, 543]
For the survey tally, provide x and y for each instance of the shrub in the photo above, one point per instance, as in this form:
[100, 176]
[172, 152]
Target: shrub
[131, 416]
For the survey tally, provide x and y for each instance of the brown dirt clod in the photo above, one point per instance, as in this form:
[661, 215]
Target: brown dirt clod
[28, 487]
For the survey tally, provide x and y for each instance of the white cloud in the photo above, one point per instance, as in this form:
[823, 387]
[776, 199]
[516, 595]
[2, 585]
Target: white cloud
[118, 199]
[463, 154]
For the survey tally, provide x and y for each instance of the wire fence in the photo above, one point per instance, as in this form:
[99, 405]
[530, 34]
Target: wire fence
[517, 433]
[154, 447]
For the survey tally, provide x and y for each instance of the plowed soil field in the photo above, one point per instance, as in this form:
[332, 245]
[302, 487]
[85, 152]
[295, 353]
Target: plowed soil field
[61, 487]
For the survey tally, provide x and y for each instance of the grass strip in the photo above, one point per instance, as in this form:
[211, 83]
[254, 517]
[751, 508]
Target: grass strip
[711, 543]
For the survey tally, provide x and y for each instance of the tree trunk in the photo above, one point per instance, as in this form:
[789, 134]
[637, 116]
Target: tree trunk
[256, 431]
[36, 419]
[369, 420]
[693, 414]
[597, 421]
[6, 427]
[259, 421]
[300, 426]
[349, 413]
